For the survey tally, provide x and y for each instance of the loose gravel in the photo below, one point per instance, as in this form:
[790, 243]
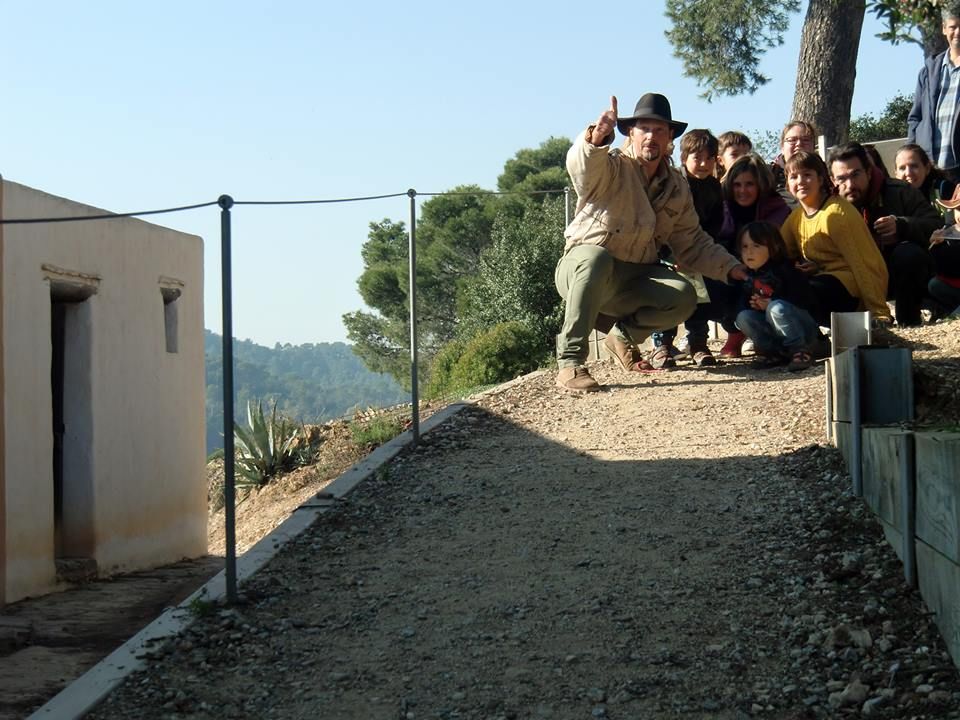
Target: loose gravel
[680, 545]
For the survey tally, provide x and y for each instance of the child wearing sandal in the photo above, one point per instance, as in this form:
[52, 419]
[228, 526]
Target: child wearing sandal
[776, 301]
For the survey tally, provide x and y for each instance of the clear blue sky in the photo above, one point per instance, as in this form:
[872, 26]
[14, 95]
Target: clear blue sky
[132, 106]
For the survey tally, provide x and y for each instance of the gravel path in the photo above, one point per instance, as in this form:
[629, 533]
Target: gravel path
[676, 546]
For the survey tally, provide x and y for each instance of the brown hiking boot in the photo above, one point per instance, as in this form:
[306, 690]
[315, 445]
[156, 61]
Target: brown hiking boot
[624, 352]
[576, 379]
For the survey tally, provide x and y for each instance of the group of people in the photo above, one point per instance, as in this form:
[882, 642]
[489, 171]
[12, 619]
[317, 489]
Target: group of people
[769, 251]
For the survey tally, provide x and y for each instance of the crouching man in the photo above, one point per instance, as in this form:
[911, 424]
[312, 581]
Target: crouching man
[631, 203]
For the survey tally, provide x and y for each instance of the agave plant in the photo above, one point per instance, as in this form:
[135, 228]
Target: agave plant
[267, 445]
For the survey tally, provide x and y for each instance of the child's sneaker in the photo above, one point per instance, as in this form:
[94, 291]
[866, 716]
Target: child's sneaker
[701, 355]
[682, 349]
[659, 358]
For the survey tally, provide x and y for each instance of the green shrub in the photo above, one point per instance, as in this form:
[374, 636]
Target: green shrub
[515, 280]
[375, 431]
[441, 369]
[499, 354]
[267, 446]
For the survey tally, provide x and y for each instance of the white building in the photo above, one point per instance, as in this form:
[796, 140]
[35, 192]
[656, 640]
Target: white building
[102, 389]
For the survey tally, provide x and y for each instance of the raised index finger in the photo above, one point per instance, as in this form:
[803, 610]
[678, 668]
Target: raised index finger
[613, 105]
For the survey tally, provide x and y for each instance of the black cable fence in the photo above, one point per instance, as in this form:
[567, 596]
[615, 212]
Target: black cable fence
[226, 204]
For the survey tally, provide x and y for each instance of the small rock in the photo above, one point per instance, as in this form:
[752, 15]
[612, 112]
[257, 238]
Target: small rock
[872, 707]
[597, 695]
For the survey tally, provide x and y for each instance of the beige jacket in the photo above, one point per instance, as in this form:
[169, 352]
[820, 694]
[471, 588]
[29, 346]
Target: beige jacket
[631, 217]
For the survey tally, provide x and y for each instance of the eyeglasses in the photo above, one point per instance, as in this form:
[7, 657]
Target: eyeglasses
[844, 179]
[797, 139]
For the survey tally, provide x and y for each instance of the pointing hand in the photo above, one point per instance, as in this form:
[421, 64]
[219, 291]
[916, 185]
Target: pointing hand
[605, 123]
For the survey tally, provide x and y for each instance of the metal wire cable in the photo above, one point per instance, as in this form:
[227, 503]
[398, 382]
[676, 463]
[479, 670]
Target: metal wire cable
[140, 213]
[318, 202]
[106, 216]
[492, 192]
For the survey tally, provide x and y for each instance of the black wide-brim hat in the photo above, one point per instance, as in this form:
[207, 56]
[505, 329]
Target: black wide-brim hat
[652, 106]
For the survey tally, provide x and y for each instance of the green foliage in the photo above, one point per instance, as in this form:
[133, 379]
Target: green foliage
[453, 233]
[766, 143]
[310, 383]
[515, 278]
[903, 17]
[441, 370]
[721, 43]
[499, 354]
[375, 431]
[890, 124]
[543, 168]
[267, 446]
[381, 343]
[202, 607]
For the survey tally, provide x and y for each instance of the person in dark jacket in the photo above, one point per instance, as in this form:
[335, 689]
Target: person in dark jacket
[901, 221]
[944, 287]
[913, 166]
[932, 120]
[776, 299]
[698, 160]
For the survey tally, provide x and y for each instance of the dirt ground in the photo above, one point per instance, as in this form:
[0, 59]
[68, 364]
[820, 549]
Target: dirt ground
[47, 642]
[679, 545]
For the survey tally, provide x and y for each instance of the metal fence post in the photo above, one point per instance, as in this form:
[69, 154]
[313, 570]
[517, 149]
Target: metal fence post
[414, 386]
[229, 496]
[566, 205]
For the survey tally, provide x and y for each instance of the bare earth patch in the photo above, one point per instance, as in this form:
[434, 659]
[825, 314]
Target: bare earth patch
[677, 546]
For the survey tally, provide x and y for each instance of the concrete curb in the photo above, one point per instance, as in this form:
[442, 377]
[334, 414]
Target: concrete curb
[87, 691]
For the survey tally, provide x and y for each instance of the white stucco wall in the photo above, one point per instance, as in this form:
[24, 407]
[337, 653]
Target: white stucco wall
[143, 440]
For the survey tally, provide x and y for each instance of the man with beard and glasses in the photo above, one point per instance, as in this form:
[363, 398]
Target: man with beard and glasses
[631, 204]
[900, 219]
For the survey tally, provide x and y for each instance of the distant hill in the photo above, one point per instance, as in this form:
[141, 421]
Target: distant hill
[311, 383]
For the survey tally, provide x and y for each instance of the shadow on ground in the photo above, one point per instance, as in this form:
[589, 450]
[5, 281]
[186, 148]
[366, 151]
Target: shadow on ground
[495, 573]
[52, 640]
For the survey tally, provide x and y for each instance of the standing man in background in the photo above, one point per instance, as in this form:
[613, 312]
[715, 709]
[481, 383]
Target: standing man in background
[932, 122]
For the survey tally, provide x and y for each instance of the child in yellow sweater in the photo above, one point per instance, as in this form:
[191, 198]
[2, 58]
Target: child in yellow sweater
[831, 242]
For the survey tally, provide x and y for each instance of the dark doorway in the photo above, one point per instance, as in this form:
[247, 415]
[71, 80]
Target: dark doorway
[57, 339]
[72, 427]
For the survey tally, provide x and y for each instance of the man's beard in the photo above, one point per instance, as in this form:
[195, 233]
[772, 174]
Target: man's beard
[650, 153]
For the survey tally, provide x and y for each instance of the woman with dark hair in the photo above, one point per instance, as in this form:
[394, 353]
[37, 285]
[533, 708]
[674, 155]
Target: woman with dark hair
[913, 166]
[749, 195]
[831, 243]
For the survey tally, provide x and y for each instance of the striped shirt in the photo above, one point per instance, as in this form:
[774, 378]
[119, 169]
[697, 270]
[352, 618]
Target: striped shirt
[944, 154]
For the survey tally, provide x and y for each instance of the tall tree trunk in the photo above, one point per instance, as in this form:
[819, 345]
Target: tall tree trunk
[827, 67]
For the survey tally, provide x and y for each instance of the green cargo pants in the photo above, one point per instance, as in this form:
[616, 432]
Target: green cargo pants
[643, 298]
